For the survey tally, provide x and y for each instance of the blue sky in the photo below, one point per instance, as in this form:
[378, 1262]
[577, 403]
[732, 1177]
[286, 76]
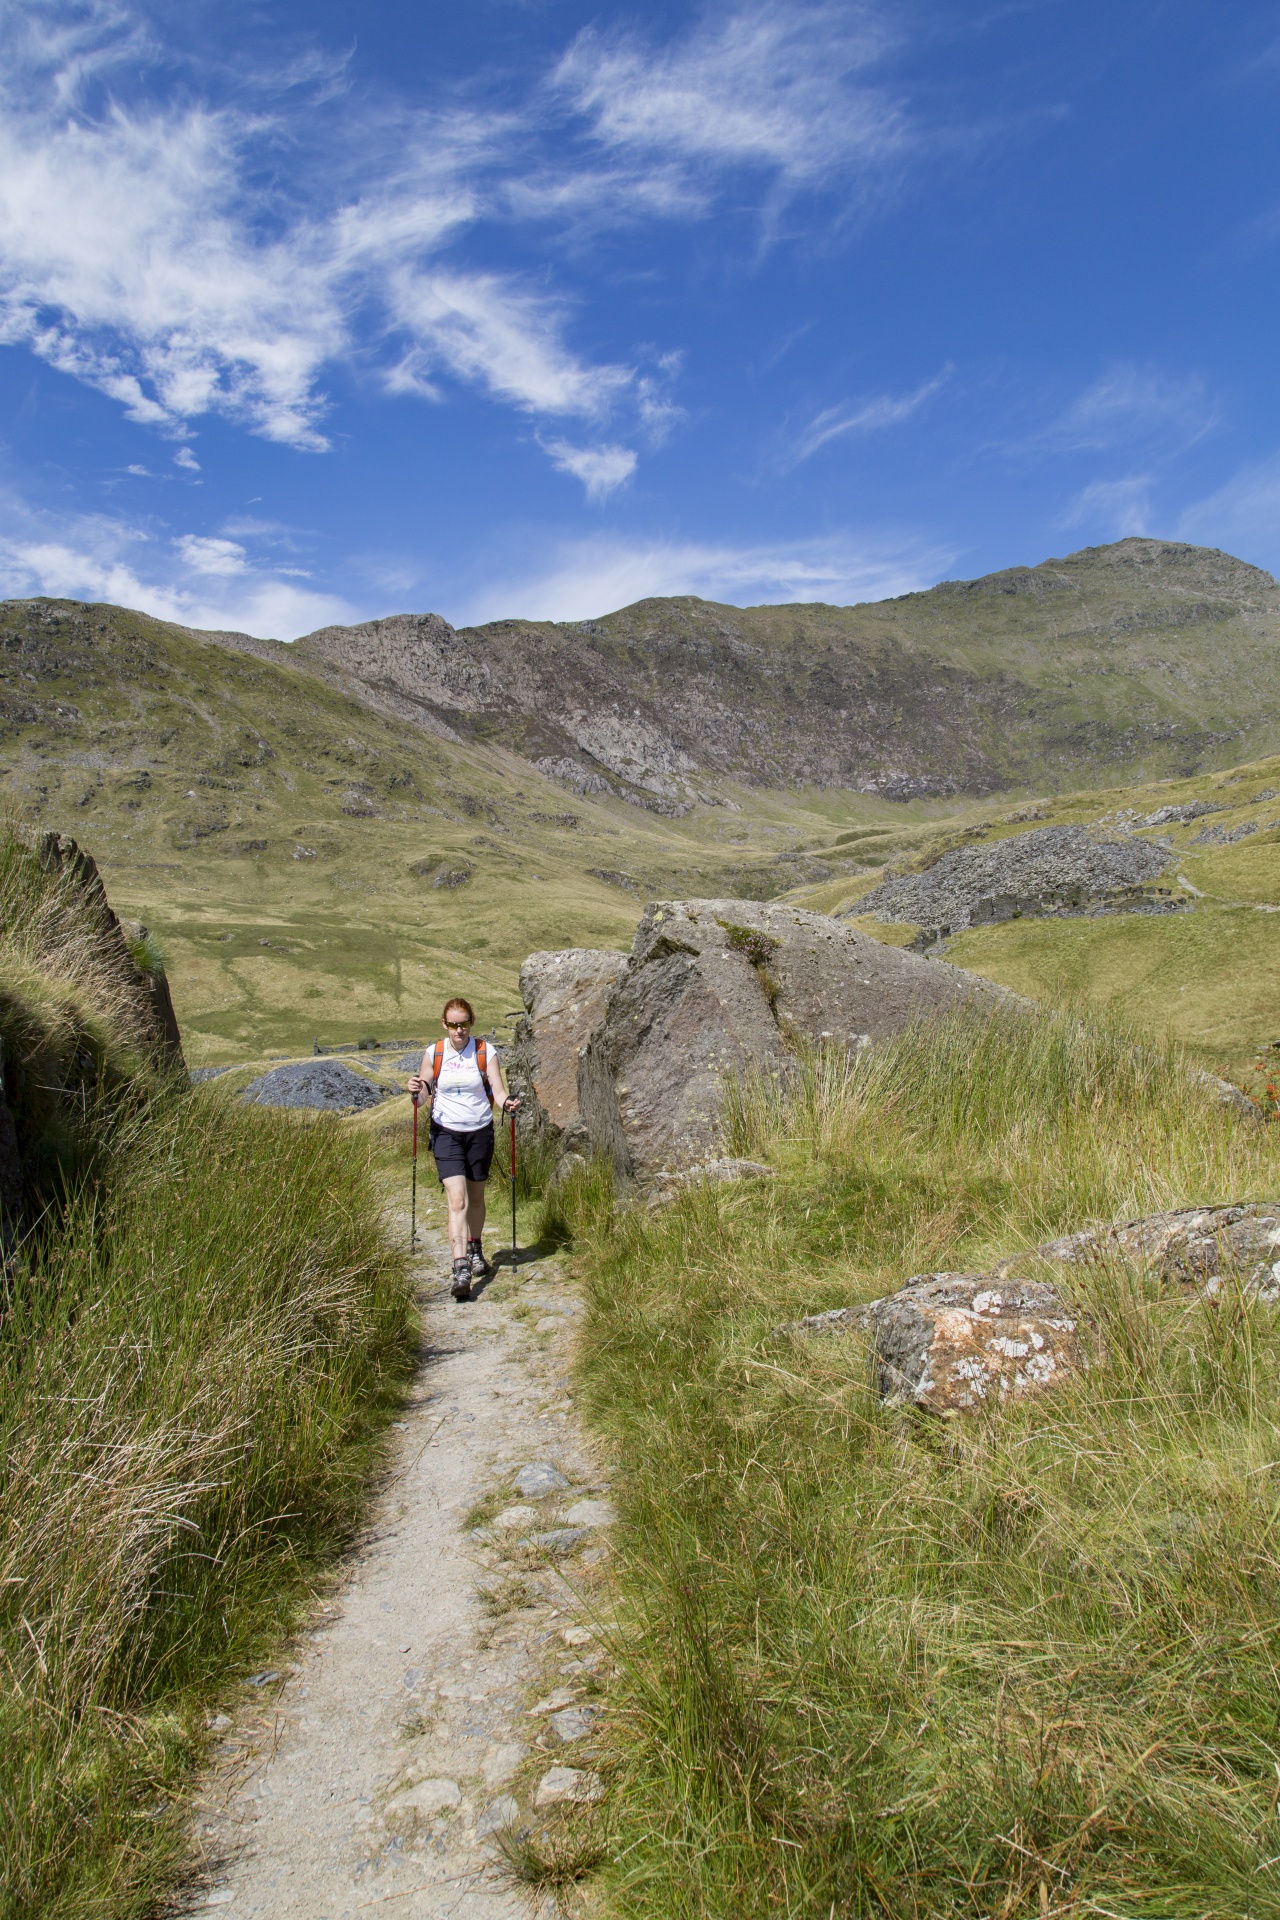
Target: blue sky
[314, 313]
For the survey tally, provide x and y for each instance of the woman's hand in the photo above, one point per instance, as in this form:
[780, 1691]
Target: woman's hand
[510, 1104]
[417, 1085]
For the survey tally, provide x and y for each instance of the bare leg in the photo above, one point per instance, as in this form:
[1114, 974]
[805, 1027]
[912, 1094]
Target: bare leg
[455, 1188]
[475, 1209]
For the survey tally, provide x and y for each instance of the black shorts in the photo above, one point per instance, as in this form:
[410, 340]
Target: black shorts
[466, 1153]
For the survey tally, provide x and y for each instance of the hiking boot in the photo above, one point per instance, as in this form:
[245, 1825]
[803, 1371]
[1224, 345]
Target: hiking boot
[461, 1288]
[480, 1268]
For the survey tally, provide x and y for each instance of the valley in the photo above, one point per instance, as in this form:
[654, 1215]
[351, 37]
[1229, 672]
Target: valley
[325, 837]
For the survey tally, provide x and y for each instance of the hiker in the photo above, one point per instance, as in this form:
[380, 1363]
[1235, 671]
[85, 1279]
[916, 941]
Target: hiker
[463, 1078]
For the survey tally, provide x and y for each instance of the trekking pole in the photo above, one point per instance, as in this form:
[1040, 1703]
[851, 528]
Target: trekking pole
[413, 1204]
[513, 1188]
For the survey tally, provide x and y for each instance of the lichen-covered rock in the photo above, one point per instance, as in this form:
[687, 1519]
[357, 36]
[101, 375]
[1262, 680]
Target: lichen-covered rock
[716, 987]
[951, 1342]
[1202, 1247]
[564, 995]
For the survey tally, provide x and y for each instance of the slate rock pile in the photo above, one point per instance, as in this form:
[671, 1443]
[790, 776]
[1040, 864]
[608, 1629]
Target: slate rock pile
[325, 1085]
[1181, 816]
[1052, 870]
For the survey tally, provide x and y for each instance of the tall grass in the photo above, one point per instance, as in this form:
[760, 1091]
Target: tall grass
[201, 1332]
[881, 1664]
[191, 1372]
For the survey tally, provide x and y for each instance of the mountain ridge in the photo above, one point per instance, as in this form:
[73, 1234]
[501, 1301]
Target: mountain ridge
[968, 687]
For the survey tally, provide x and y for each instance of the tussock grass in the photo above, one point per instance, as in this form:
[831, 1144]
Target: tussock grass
[201, 1333]
[880, 1664]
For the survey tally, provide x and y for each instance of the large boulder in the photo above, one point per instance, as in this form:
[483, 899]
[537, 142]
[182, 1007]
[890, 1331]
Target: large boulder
[564, 995]
[714, 988]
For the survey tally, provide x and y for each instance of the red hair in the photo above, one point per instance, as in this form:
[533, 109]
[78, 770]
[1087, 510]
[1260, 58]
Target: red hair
[464, 1006]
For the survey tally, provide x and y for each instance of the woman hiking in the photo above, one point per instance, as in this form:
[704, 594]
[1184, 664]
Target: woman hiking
[463, 1079]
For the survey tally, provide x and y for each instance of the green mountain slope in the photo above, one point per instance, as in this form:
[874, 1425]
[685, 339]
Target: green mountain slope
[330, 837]
[1134, 661]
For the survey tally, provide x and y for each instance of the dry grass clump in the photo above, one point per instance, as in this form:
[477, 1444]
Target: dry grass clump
[200, 1333]
[881, 1664]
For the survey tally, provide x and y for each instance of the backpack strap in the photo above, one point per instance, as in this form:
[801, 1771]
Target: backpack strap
[437, 1061]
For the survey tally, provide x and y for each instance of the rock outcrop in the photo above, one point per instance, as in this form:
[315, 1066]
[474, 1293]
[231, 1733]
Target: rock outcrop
[564, 995]
[952, 1342]
[142, 986]
[716, 987]
[1200, 1247]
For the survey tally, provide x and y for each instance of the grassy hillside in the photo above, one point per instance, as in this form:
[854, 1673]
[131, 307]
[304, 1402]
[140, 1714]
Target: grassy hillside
[1209, 978]
[201, 1332]
[876, 1663]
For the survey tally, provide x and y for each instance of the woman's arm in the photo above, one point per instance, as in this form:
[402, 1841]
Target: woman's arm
[420, 1082]
[504, 1101]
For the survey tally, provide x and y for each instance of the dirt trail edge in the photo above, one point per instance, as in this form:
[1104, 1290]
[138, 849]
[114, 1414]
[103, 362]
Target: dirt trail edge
[376, 1771]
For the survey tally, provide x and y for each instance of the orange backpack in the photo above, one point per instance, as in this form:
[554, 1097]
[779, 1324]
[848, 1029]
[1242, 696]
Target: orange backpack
[482, 1061]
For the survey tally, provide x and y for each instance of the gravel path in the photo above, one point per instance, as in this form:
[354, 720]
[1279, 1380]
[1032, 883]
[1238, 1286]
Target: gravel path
[372, 1774]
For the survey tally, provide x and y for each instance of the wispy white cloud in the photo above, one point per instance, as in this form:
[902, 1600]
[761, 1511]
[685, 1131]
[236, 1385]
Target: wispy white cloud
[167, 256]
[139, 253]
[870, 415]
[498, 336]
[1128, 406]
[601, 469]
[589, 577]
[776, 86]
[1242, 516]
[1116, 508]
[222, 558]
[195, 581]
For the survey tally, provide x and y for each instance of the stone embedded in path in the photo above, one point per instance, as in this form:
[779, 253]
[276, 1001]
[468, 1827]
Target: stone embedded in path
[515, 1517]
[430, 1796]
[559, 1539]
[568, 1783]
[539, 1478]
[590, 1513]
[716, 988]
[498, 1816]
[572, 1723]
[1201, 1247]
[502, 1762]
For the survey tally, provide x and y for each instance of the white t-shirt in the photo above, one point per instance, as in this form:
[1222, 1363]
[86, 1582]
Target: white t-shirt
[461, 1101]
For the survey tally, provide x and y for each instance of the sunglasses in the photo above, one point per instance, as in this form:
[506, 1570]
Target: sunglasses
[457, 1026]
